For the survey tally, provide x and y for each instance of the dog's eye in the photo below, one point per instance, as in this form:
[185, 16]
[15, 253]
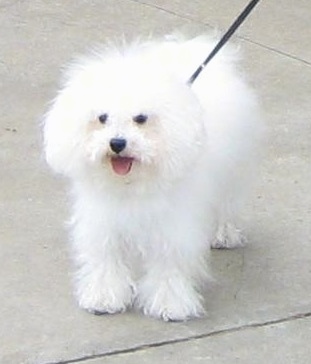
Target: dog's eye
[103, 118]
[140, 118]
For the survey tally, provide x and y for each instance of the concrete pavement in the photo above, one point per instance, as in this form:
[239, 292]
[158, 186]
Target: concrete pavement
[260, 307]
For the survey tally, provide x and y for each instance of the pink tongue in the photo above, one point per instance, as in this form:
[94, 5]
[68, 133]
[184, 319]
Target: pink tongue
[121, 165]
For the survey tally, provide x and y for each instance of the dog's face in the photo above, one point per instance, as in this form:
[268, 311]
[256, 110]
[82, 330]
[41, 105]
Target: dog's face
[124, 121]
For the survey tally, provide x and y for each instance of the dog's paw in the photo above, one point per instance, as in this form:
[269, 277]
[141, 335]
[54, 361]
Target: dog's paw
[169, 303]
[228, 237]
[105, 297]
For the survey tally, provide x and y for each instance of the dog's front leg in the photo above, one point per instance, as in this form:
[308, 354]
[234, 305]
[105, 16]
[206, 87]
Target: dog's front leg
[103, 281]
[175, 271]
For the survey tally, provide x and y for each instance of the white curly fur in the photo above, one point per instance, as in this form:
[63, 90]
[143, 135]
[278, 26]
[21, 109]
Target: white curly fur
[142, 237]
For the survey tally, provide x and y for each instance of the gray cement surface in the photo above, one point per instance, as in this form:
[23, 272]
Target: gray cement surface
[260, 306]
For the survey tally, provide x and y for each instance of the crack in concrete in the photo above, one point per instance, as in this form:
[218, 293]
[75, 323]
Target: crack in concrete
[142, 347]
[166, 11]
[275, 50]
[266, 47]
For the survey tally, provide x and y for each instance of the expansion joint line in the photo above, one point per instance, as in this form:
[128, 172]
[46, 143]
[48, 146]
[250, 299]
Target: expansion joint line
[89, 358]
[245, 39]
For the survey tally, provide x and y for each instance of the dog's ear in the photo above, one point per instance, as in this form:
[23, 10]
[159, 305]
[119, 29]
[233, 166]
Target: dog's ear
[63, 132]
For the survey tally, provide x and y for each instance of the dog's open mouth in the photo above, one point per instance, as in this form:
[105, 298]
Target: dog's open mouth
[121, 165]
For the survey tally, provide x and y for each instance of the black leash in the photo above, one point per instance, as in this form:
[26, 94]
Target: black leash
[240, 19]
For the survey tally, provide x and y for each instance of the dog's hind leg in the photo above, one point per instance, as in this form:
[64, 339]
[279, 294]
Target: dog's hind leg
[227, 234]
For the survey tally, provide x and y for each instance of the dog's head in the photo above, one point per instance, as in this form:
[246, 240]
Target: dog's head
[124, 116]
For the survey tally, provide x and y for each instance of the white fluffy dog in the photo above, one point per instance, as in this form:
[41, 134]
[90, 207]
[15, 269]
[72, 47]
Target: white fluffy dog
[157, 169]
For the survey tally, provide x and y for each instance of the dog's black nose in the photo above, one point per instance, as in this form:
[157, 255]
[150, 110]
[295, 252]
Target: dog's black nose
[117, 144]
